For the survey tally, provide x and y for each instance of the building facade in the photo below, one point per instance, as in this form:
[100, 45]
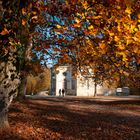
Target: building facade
[75, 86]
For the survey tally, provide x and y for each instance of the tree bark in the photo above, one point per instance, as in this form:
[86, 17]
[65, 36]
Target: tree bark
[4, 119]
[9, 83]
[22, 89]
[95, 89]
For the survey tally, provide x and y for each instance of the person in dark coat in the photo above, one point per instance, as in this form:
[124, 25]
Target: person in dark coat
[59, 92]
[63, 92]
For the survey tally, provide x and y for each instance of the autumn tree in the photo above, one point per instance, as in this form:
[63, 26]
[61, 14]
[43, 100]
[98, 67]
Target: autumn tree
[103, 35]
[40, 82]
[18, 20]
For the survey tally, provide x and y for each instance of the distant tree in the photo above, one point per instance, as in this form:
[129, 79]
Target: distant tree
[39, 82]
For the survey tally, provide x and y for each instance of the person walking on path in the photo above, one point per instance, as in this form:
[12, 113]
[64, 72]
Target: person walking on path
[63, 92]
[59, 92]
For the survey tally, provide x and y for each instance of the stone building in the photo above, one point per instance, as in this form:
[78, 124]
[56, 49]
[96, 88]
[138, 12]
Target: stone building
[75, 86]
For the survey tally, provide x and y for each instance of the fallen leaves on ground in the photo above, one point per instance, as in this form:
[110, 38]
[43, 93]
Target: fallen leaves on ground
[73, 119]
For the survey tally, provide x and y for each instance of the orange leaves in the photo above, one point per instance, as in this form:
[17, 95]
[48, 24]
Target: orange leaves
[121, 47]
[5, 31]
[137, 35]
[138, 60]
[24, 22]
[91, 31]
[23, 11]
[136, 49]
[76, 25]
[102, 46]
[94, 17]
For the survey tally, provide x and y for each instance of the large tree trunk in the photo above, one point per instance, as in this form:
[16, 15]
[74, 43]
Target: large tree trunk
[4, 118]
[9, 82]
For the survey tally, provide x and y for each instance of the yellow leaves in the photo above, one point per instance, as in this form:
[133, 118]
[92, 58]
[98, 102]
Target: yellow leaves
[77, 23]
[136, 29]
[85, 4]
[121, 47]
[119, 27]
[129, 41]
[128, 10]
[90, 27]
[111, 34]
[118, 7]
[58, 26]
[60, 29]
[90, 31]
[126, 26]
[116, 38]
[34, 12]
[77, 20]
[4, 31]
[132, 27]
[123, 54]
[23, 11]
[78, 14]
[121, 71]
[136, 38]
[13, 43]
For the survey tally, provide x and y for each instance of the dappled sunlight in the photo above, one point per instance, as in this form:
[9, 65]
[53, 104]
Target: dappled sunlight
[74, 118]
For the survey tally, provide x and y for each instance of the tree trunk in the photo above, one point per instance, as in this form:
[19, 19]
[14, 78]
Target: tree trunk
[3, 110]
[22, 89]
[4, 119]
[9, 83]
[95, 89]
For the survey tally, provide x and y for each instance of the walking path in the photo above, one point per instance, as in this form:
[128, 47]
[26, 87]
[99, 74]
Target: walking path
[103, 98]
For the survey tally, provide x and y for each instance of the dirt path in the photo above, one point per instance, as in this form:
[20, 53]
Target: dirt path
[74, 119]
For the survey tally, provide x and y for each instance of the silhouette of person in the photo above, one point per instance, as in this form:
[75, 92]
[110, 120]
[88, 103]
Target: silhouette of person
[63, 92]
[59, 92]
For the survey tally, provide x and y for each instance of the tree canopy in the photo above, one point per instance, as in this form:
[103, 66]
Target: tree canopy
[102, 34]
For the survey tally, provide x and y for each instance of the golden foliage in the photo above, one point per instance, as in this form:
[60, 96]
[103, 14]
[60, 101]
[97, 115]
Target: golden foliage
[38, 83]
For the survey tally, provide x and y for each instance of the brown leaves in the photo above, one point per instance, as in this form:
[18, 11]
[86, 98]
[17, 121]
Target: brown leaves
[88, 118]
[5, 31]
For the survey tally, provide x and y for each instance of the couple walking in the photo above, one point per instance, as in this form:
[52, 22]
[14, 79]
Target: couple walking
[61, 91]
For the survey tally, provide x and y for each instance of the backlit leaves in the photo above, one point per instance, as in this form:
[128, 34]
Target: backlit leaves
[4, 31]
